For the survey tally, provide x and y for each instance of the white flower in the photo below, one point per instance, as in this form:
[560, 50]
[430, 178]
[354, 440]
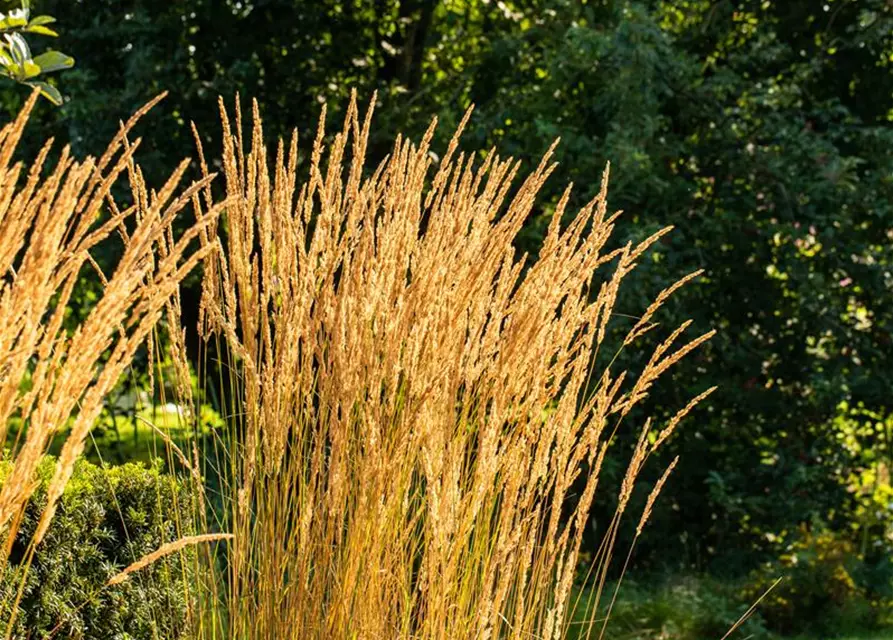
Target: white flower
[20, 14]
[16, 14]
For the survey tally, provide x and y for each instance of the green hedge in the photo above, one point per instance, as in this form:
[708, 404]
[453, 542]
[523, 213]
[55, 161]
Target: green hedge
[107, 518]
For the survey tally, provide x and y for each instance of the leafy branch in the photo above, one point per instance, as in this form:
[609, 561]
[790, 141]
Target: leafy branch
[16, 60]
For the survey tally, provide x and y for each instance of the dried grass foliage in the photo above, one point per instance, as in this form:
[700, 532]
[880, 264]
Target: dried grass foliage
[166, 550]
[415, 404]
[50, 222]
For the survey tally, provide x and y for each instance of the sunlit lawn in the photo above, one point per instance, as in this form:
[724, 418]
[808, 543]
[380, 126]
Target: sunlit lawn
[132, 436]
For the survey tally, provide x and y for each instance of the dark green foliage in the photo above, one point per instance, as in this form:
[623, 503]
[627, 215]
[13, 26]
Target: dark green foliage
[826, 587]
[729, 121]
[698, 607]
[107, 519]
[681, 607]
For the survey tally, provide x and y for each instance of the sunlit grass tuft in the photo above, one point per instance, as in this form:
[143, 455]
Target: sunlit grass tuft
[416, 431]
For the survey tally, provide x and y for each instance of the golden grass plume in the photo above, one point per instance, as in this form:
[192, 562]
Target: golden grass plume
[50, 226]
[166, 550]
[417, 430]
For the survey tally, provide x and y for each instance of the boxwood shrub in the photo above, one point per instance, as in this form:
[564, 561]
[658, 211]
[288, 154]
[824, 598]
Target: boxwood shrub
[107, 518]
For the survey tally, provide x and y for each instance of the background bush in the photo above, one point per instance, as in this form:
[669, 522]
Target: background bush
[107, 519]
[682, 607]
[827, 586]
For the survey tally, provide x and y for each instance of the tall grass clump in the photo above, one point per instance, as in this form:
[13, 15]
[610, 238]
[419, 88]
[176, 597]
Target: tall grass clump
[419, 415]
[55, 376]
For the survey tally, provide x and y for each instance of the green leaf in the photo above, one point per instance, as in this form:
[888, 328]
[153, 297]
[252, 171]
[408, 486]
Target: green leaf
[16, 71]
[48, 91]
[12, 69]
[40, 20]
[53, 61]
[12, 22]
[40, 30]
[30, 69]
